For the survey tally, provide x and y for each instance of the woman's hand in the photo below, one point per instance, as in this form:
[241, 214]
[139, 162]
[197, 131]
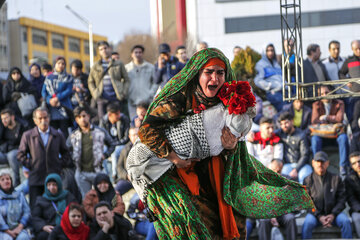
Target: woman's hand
[180, 163]
[228, 140]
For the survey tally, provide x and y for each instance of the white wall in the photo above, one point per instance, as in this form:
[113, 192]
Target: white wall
[211, 25]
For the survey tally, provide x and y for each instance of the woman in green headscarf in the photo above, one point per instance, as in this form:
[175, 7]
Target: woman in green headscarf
[50, 206]
[196, 199]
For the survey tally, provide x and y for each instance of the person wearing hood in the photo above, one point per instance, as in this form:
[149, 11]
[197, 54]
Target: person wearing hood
[50, 207]
[71, 227]
[14, 210]
[103, 191]
[269, 77]
[16, 85]
[36, 79]
[57, 91]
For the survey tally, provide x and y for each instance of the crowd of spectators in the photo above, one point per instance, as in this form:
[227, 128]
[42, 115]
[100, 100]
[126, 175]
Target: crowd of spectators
[66, 137]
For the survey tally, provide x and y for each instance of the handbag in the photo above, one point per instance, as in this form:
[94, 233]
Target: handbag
[26, 104]
[327, 130]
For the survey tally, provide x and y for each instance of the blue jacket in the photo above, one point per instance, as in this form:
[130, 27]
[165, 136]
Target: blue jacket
[13, 210]
[163, 75]
[268, 76]
[63, 90]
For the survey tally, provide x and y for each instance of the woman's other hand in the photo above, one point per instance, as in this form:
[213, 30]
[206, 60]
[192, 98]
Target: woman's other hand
[228, 140]
[180, 163]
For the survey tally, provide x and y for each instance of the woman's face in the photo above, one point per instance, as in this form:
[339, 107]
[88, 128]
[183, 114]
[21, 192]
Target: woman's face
[103, 186]
[52, 187]
[5, 182]
[35, 71]
[211, 79]
[75, 218]
[15, 75]
[60, 65]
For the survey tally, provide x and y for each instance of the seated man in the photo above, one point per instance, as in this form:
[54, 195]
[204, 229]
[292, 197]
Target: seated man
[108, 225]
[10, 136]
[355, 143]
[117, 126]
[296, 149]
[301, 113]
[352, 185]
[330, 112]
[266, 145]
[287, 221]
[141, 110]
[328, 193]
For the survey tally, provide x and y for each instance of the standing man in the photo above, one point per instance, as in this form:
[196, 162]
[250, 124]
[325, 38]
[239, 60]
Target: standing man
[352, 185]
[328, 193]
[180, 53]
[10, 136]
[314, 69]
[296, 149]
[351, 68]
[80, 93]
[334, 62]
[167, 66]
[142, 84]
[108, 81]
[43, 151]
[87, 144]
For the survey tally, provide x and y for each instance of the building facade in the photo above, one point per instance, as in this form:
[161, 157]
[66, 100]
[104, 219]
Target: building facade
[4, 41]
[33, 40]
[226, 23]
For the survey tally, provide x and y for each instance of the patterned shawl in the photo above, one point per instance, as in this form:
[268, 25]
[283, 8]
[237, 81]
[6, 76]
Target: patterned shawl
[249, 187]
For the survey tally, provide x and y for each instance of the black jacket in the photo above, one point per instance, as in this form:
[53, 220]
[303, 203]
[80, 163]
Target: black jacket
[328, 193]
[122, 128]
[120, 230]
[44, 212]
[6, 145]
[121, 164]
[352, 185]
[355, 143]
[356, 116]
[310, 75]
[58, 234]
[296, 147]
[351, 67]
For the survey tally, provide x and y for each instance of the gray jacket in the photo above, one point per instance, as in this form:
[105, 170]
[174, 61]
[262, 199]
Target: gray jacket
[296, 147]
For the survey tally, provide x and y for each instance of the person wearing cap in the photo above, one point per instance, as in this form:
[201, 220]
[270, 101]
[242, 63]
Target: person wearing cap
[188, 200]
[352, 185]
[142, 84]
[80, 91]
[108, 81]
[328, 193]
[56, 92]
[166, 66]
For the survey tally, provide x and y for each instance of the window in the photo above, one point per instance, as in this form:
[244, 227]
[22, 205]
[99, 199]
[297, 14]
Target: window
[57, 41]
[74, 45]
[39, 37]
[25, 36]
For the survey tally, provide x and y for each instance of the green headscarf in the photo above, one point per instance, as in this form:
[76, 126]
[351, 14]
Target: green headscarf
[59, 199]
[189, 72]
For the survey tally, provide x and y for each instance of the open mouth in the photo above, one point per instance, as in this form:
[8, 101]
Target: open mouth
[212, 87]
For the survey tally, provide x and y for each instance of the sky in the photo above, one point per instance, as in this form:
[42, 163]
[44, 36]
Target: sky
[110, 18]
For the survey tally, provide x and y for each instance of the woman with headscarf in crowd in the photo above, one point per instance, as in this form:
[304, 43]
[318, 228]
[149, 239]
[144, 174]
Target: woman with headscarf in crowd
[50, 206]
[57, 91]
[72, 226]
[14, 210]
[103, 191]
[36, 79]
[207, 199]
[16, 85]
